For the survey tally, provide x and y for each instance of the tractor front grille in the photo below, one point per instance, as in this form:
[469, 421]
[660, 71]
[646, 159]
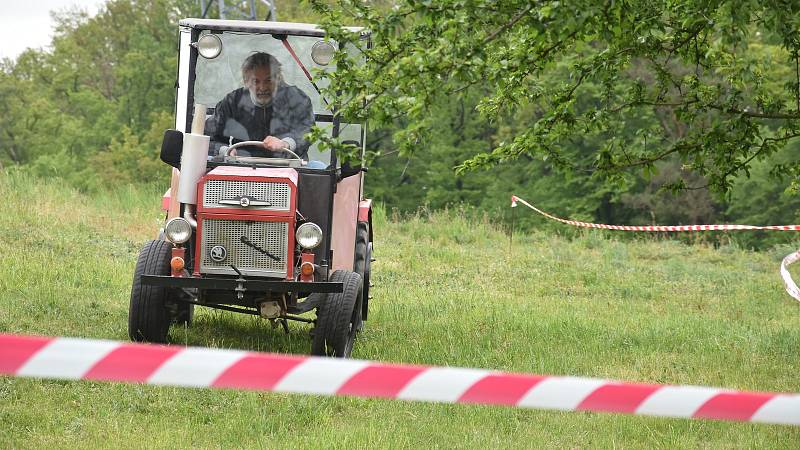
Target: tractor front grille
[273, 237]
[277, 195]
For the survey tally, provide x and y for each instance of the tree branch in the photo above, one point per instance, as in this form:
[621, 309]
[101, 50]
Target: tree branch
[660, 156]
[544, 54]
[651, 103]
[509, 24]
[755, 114]
[744, 164]
[760, 150]
[727, 110]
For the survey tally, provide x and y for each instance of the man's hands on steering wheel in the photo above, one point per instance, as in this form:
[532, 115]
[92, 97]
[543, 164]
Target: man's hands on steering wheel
[275, 144]
[270, 143]
[230, 152]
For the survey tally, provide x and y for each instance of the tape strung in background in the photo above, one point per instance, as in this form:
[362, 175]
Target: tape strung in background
[791, 287]
[656, 228]
[97, 360]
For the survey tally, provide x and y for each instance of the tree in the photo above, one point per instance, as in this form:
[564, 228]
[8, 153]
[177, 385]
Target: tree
[99, 98]
[721, 79]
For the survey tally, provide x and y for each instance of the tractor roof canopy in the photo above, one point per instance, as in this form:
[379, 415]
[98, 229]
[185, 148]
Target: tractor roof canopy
[251, 26]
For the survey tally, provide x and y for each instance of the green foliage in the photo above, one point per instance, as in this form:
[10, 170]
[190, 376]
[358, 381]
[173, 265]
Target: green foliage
[131, 159]
[624, 112]
[703, 70]
[92, 109]
[760, 199]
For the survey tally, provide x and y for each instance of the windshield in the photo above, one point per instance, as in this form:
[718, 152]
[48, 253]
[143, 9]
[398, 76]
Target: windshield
[221, 78]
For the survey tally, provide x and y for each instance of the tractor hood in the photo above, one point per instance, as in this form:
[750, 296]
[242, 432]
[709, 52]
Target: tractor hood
[259, 172]
[237, 190]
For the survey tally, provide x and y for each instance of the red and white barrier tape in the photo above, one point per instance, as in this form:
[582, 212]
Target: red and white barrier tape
[791, 287]
[85, 359]
[656, 228]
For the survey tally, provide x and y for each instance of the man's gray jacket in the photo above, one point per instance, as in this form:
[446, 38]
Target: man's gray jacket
[289, 116]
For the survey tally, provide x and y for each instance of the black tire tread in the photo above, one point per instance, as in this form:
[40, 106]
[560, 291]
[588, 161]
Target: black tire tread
[361, 265]
[334, 316]
[148, 319]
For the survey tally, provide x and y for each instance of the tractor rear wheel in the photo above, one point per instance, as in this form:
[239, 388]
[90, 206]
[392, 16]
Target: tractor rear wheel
[362, 266]
[335, 330]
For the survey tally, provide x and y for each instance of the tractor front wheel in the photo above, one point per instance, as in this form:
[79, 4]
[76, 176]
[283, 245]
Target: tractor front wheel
[148, 317]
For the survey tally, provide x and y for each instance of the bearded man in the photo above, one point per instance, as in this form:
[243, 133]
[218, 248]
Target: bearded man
[265, 109]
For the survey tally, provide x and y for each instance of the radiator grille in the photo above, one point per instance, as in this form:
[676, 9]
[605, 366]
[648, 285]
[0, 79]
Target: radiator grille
[276, 194]
[270, 236]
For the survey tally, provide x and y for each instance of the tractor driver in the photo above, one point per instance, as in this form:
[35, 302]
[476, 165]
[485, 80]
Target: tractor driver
[265, 109]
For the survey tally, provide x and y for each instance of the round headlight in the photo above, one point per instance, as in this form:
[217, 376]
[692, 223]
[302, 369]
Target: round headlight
[309, 235]
[178, 230]
[322, 52]
[209, 46]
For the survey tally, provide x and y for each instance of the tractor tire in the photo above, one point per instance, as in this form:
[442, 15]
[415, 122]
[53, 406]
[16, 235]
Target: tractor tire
[335, 329]
[362, 266]
[148, 317]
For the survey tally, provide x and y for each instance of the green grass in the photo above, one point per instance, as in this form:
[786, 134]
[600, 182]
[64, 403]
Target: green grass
[449, 290]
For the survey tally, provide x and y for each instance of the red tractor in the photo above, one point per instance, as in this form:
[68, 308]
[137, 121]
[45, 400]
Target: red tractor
[277, 234]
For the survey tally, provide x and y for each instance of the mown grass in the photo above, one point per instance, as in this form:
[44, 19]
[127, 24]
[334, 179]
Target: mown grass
[449, 290]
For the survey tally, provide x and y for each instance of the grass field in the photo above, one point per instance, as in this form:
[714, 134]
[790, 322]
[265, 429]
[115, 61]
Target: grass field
[448, 291]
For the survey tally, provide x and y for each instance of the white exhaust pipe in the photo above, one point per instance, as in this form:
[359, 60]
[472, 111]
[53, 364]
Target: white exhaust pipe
[193, 158]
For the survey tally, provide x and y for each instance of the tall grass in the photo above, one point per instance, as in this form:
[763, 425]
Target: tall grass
[450, 289]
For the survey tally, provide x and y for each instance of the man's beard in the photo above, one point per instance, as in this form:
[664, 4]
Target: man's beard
[264, 100]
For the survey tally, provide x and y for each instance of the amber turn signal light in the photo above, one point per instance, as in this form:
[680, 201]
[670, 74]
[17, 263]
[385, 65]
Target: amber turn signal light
[307, 268]
[177, 264]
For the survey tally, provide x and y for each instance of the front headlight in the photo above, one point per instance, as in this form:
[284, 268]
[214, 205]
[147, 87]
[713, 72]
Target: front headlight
[178, 230]
[309, 235]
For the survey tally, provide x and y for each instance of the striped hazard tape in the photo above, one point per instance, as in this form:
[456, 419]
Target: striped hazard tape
[84, 359]
[791, 287]
[656, 228]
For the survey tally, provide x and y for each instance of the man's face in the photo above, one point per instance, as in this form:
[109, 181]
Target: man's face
[261, 84]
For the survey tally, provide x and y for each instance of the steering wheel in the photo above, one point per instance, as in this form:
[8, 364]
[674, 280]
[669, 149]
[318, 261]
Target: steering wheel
[260, 159]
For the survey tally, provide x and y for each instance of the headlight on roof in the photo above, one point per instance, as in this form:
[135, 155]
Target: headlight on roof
[322, 52]
[178, 230]
[209, 46]
[308, 235]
